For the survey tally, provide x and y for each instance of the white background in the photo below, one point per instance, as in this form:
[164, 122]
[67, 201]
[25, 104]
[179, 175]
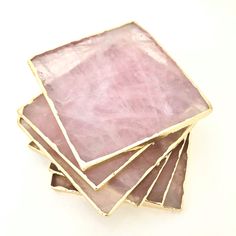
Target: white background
[200, 36]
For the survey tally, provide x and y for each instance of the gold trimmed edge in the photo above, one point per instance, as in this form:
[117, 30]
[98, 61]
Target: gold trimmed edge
[143, 202]
[173, 173]
[138, 152]
[173, 145]
[161, 204]
[153, 183]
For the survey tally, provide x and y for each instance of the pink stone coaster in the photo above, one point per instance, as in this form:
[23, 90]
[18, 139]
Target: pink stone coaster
[139, 194]
[49, 130]
[119, 187]
[60, 183]
[174, 191]
[115, 90]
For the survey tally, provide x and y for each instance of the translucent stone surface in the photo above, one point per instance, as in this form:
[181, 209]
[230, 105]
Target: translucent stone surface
[119, 187]
[114, 90]
[39, 114]
[174, 193]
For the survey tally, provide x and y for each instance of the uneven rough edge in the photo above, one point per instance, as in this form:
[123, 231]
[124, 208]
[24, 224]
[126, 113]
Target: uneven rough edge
[139, 193]
[168, 189]
[144, 189]
[174, 193]
[119, 187]
[49, 130]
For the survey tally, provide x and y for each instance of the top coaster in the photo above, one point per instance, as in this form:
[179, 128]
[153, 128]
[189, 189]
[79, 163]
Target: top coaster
[115, 90]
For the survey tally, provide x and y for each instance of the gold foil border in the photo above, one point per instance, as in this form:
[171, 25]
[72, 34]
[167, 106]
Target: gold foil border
[173, 145]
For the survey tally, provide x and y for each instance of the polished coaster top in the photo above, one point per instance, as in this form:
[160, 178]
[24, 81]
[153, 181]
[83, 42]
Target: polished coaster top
[115, 90]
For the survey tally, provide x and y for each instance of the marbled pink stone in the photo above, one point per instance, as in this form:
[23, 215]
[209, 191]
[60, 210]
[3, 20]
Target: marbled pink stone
[39, 114]
[176, 167]
[107, 198]
[115, 89]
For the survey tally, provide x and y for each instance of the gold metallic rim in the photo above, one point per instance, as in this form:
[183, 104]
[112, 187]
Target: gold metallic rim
[173, 173]
[173, 145]
[138, 150]
[161, 204]
[144, 200]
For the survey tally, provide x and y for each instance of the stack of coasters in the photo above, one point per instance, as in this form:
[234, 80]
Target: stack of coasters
[114, 119]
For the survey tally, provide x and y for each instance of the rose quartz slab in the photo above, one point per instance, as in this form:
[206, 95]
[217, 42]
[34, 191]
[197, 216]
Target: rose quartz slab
[97, 175]
[119, 187]
[170, 181]
[60, 182]
[115, 90]
[174, 194]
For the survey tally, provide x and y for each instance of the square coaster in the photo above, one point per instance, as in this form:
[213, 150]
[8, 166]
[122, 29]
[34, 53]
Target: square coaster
[119, 187]
[49, 130]
[174, 189]
[46, 125]
[114, 91]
